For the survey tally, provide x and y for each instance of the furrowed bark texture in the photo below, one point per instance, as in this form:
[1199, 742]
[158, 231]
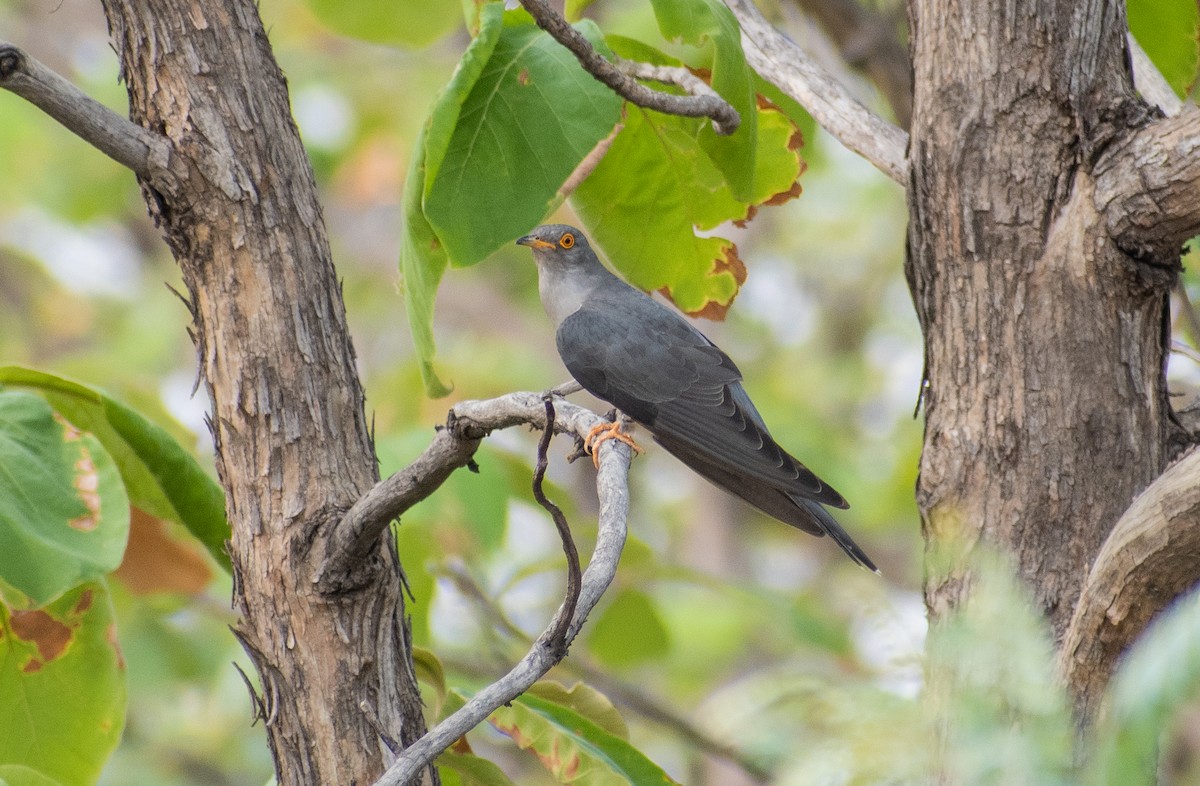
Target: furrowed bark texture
[293, 448]
[1046, 406]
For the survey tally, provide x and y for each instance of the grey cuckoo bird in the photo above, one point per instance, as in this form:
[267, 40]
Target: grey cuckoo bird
[649, 362]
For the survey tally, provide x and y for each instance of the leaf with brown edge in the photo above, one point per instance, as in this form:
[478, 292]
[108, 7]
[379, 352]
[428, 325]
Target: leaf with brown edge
[652, 203]
[572, 748]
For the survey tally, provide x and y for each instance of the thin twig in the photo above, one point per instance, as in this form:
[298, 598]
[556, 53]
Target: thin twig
[479, 417]
[725, 118]
[783, 63]
[117, 137]
[556, 634]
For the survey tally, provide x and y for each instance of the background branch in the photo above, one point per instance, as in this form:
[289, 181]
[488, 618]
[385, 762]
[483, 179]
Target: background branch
[1151, 557]
[612, 489]
[869, 40]
[780, 61]
[724, 117]
[123, 141]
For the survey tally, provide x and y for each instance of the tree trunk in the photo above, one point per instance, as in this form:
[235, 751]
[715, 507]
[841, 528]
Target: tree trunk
[1046, 405]
[293, 448]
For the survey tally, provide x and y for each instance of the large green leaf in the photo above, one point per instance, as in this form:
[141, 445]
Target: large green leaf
[20, 775]
[410, 23]
[530, 118]
[1167, 30]
[709, 22]
[62, 679]
[160, 476]
[1160, 675]
[517, 117]
[657, 186]
[64, 515]
[574, 749]
[423, 257]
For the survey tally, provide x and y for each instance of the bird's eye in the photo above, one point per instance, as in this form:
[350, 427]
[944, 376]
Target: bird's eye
[567, 240]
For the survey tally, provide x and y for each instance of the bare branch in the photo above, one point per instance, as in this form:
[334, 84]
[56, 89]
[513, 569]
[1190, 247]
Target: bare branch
[612, 488]
[1151, 557]
[783, 63]
[117, 137]
[724, 117]
[452, 448]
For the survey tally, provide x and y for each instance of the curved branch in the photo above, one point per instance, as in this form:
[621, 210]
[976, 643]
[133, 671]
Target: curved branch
[706, 103]
[783, 63]
[1151, 556]
[612, 488]
[117, 137]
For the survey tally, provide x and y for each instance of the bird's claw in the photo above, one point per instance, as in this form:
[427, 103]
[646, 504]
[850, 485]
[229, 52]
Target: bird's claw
[605, 431]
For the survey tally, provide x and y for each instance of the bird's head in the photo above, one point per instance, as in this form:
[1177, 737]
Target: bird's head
[557, 244]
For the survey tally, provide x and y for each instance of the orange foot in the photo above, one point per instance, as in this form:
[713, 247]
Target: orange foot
[605, 431]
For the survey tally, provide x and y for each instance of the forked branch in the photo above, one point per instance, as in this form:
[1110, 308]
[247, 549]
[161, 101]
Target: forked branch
[702, 103]
[453, 447]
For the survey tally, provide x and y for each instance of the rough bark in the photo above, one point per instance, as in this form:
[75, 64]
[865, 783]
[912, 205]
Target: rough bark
[1046, 405]
[293, 448]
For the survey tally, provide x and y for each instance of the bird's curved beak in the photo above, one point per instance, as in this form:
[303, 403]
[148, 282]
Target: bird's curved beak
[533, 242]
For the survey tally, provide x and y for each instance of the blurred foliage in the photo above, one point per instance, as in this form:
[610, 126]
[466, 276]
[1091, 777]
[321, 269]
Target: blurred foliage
[734, 649]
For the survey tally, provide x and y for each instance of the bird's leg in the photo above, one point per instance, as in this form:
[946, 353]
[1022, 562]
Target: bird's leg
[605, 431]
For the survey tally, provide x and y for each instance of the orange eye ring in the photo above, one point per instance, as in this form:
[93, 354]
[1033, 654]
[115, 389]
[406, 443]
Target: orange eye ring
[567, 240]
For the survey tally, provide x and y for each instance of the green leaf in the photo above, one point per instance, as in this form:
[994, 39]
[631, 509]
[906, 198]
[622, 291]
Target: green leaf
[709, 22]
[19, 775]
[160, 476]
[410, 23]
[629, 631]
[530, 118]
[467, 769]
[656, 171]
[1159, 675]
[587, 701]
[572, 748]
[430, 671]
[63, 682]
[1167, 30]
[64, 515]
[423, 257]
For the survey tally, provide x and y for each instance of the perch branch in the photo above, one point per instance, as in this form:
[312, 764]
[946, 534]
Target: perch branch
[612, 489]
[1151, 556]
[783, 63]
[708, 104]
[117, 137]
[452, 448]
